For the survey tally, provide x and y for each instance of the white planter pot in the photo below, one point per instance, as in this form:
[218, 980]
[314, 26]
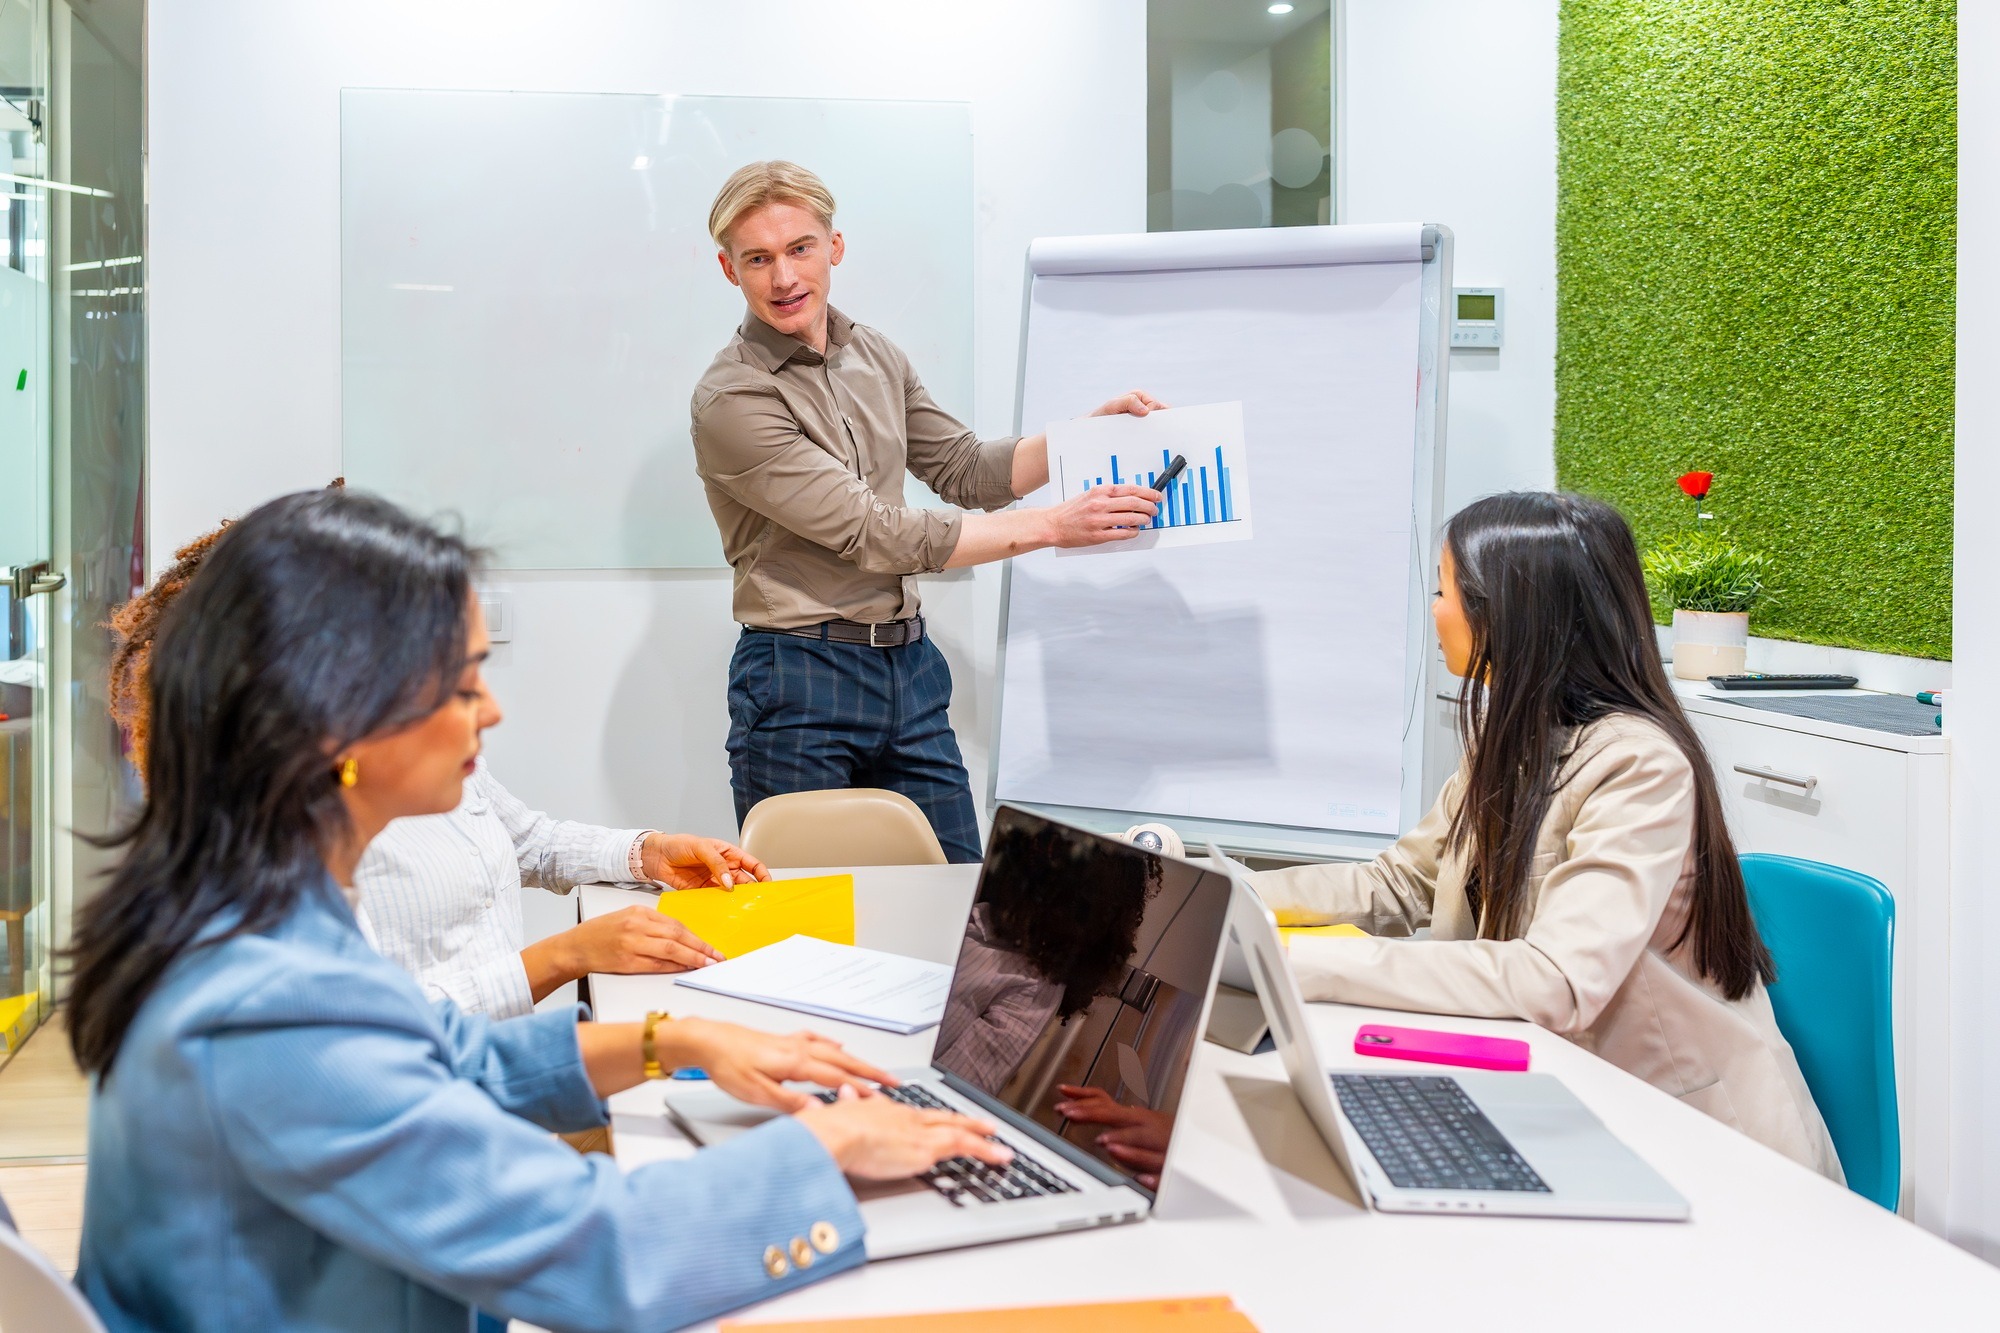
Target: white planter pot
[1710, 643]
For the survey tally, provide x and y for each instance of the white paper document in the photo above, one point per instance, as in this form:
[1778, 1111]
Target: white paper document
[854, 985]
[1208, 502]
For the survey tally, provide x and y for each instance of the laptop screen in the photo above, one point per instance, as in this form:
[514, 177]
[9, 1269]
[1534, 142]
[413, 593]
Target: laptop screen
[1078, 996]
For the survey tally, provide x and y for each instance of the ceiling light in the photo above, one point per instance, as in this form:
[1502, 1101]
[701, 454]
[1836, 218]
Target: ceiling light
[1279, 9]
[641, 163]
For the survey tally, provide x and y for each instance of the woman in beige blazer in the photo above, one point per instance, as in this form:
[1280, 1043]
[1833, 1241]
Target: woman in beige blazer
[1576, 871]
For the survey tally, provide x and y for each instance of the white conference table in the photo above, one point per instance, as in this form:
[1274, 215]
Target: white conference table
[1255, 1207]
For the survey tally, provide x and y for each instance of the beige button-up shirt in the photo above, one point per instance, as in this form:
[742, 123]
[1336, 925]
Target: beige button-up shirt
[803, 457]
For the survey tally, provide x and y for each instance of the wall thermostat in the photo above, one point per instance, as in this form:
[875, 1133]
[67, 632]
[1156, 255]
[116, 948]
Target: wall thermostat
[1476, 315]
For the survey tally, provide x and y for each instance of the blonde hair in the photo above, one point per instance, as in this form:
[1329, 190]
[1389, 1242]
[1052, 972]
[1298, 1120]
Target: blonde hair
[761, 183]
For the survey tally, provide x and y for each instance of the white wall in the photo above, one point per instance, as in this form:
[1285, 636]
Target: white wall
[614, 682]
[1448, 114]
[1974, 722]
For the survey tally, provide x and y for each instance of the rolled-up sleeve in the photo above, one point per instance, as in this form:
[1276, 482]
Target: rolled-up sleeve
[1391, 895]
[559, 854]
[531, 1065]
[949, 458]
[498, 987]
[751, 449]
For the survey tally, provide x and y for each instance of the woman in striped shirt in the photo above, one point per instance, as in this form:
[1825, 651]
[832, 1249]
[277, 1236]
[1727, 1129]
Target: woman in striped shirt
[441, 894]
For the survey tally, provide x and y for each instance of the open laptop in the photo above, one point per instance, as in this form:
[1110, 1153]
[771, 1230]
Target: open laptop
[1466, 1141]
[1087, 962]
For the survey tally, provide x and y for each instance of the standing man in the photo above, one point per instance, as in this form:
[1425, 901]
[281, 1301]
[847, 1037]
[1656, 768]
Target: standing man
[803, 427]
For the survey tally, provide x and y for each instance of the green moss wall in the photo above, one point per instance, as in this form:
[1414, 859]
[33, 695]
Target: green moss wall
[1754, 254]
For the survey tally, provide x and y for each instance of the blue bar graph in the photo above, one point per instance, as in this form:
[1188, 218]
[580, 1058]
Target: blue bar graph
[1201, 496]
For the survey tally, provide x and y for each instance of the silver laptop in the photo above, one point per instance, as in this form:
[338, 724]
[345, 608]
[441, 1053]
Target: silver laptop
[1422, 1140]
[1087, 964]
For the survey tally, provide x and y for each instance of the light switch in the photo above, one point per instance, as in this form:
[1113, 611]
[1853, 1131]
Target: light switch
[498, 607]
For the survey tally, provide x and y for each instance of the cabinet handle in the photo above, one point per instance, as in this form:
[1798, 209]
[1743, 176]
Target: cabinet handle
[1773, 775]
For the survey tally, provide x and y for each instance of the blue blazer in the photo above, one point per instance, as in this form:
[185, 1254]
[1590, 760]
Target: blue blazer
[293, 1137]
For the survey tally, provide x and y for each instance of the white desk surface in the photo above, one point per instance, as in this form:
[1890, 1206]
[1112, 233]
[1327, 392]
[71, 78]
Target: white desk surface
[1698, 696]
[1256, 1208]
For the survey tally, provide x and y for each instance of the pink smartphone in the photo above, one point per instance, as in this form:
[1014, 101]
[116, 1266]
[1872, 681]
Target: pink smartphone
[1441, 1048]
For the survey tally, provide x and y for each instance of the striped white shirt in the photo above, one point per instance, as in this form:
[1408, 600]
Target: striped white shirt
[441, 894]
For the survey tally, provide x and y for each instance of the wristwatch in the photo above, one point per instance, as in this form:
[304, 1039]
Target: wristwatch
[647, 1051]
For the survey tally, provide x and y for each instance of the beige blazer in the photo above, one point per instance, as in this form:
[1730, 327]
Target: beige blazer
[1610, 884]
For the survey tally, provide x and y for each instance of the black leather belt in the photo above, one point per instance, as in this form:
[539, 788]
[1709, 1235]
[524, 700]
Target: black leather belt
[888, 634]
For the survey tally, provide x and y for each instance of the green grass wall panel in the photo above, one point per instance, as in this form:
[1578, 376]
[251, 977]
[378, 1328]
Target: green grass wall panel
[1754, 251]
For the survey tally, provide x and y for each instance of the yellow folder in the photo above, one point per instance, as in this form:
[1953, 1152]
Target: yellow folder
[751, 916]
[1290, 934]
[14, 1020]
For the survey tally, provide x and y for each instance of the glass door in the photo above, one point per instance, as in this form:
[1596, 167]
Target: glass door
[27, 578]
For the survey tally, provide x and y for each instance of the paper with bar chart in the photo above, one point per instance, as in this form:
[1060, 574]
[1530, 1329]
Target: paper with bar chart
[1208, 502]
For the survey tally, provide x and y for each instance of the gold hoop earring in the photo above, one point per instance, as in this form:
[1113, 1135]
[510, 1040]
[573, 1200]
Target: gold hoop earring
[350, 771]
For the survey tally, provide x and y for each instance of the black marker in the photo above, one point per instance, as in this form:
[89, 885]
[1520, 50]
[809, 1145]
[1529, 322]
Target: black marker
[1174, 469]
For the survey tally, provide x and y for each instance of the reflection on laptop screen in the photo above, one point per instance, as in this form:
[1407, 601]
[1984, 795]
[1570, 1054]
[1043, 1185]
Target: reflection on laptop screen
[1080, 984]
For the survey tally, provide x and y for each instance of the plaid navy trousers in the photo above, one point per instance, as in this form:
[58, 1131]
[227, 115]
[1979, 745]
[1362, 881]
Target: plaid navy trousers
[808, 715]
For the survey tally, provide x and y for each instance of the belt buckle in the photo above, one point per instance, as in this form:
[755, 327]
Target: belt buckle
[871, 635]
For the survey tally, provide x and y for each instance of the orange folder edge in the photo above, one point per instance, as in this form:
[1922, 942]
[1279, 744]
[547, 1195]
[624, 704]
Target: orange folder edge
[1178, 1314]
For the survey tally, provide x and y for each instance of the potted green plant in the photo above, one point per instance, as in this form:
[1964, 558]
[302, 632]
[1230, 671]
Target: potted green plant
[1710, 584]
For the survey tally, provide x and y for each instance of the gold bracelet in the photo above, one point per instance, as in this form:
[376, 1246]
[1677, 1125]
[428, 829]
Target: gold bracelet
[647, 1051]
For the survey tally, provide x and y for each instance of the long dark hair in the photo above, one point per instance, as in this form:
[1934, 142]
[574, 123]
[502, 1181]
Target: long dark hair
[1562, 636]
[1073, 914]
[320, 619]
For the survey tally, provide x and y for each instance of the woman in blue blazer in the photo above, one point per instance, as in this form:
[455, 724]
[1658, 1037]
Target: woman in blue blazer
[284, 1133]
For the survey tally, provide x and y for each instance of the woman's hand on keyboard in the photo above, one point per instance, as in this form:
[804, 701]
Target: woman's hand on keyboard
[873, 1138]
[753, 1066]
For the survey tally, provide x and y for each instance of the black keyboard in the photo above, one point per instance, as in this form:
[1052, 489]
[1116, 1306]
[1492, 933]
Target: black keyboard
[963, 1179]
[1428, 1135]
[1764, 680]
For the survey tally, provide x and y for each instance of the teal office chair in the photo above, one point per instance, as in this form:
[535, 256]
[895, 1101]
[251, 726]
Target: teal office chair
[1830, 931]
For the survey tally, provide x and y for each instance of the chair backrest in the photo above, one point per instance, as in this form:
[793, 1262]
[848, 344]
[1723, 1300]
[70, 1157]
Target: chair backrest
[855, 826]
[34, 1298]
[1831, 932]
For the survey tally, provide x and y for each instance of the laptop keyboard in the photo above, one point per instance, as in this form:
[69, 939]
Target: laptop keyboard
[1428, 1135]
[966, 1179]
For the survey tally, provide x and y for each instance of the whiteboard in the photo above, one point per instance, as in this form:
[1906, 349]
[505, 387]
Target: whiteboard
[1266, 691]
[529, 294]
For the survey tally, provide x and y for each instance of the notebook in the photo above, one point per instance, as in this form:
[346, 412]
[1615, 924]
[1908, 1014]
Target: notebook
[840, 981]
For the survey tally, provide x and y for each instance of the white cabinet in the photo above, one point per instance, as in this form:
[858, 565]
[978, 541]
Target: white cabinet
[1877, 803]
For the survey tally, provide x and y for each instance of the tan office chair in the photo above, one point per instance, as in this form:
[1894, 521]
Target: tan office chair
[857, 826]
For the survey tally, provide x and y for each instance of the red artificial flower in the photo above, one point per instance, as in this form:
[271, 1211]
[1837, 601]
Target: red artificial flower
[1697, 483]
